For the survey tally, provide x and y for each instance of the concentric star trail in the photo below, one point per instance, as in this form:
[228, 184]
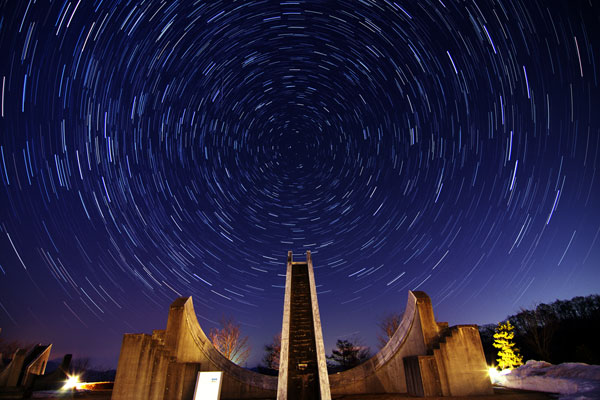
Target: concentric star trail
[156, 149]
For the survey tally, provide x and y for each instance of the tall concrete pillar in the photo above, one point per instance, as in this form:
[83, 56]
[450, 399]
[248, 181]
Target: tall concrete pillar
[302, 366]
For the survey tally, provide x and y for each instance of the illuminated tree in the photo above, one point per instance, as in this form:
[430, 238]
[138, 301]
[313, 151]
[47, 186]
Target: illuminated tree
[229, 342]
[508, 354]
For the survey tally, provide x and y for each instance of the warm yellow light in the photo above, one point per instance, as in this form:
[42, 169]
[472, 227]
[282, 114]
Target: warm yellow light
[497, 377]
[72, 383]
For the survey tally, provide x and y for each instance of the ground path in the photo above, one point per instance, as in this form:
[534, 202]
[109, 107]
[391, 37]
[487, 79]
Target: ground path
[499, 394]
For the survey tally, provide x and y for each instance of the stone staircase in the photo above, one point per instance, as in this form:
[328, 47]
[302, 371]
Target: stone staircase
[451, 366]
[303, 378]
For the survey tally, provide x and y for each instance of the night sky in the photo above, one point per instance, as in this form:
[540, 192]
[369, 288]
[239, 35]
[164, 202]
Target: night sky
[157, 149]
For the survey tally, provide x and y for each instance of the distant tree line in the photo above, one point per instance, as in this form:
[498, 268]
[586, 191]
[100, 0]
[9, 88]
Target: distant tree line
[563, 331]
[347, 354]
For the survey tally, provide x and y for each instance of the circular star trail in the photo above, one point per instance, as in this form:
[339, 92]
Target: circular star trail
[150, 150]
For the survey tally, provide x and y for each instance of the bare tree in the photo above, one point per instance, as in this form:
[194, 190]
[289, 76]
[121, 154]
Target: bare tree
[273, 352]
[79, 366]
[7, 349]
[388, 326]
[539, 326]
[229, 341]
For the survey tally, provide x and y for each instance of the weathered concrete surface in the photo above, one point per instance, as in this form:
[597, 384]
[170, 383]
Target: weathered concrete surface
[25, 366]
[422, 376]
[285, 333]
[9, 377]
[164, 365]
[55, 379]
[302, 366]
[35, 364]
[321, 355]
[458, 357]
[384, 372]
[455, 364]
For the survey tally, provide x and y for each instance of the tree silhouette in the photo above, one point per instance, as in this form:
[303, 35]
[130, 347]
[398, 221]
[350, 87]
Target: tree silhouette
[79, 366]
[349, 354]
[7, 349]
[273, 351]
[558, 332]
[538, 327]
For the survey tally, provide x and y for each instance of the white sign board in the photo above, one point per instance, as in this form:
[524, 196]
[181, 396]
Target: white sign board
[208, 385]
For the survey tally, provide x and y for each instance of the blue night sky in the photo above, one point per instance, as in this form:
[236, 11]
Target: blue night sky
[157, 149]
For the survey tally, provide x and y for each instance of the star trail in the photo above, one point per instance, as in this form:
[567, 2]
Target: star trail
[157, 149]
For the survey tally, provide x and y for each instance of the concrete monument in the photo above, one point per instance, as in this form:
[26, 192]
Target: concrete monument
[23, 368]
[302, 363]
[423, 357]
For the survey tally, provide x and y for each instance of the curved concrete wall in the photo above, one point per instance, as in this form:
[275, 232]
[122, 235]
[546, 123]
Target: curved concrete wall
[25, 367]
[190, 344]
[164, 365]
[422, 358]
[384, 372]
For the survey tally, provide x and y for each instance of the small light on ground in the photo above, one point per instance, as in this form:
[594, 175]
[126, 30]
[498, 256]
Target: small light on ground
[497, 377]
[72, 383]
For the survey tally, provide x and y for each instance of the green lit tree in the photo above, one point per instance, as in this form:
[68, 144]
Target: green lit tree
[508, 354]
